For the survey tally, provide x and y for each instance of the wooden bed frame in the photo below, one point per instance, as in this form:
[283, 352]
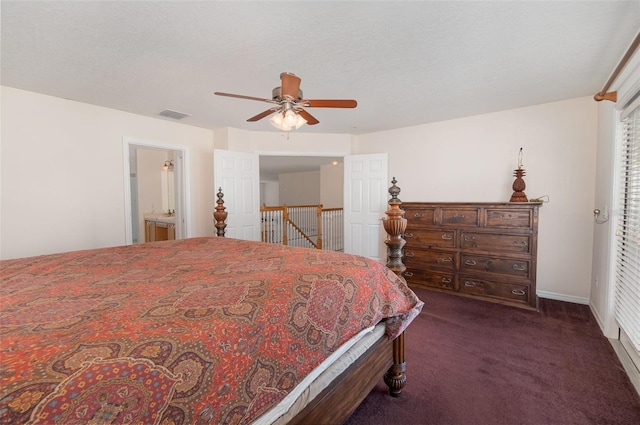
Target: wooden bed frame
[384, 359]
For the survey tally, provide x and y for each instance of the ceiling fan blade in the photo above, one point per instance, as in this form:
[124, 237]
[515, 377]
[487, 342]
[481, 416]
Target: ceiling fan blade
[311, 120]
[261, 115]
[290, 85]
[240, 96]
[329, 103]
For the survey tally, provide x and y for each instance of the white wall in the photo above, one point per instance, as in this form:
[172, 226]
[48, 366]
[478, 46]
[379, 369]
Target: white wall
[63, 189]
[331, 188]
[299, 188]
[332, 185]
[473, 158]
[281, 144]
[269, 193]
[62, 173]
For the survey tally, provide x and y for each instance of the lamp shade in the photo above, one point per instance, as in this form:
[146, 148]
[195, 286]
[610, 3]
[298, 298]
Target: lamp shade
[287, 120]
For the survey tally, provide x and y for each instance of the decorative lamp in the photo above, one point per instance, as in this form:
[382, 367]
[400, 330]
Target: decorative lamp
[168, 166]
[519, 185]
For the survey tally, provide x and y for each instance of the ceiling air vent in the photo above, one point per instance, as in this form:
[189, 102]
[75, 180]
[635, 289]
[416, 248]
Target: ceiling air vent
[173, 114]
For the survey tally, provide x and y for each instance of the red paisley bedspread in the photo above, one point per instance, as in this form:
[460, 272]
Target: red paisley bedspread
[203, 330]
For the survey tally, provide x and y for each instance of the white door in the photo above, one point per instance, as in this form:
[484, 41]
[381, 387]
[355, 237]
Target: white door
[238, 174]
[365, 201]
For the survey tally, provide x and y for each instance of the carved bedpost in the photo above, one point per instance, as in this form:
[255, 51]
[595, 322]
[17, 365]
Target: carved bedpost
[395, 224]
[395, 378]
[220, 215]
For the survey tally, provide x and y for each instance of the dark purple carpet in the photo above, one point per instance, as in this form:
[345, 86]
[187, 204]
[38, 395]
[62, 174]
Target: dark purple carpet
[475, 362]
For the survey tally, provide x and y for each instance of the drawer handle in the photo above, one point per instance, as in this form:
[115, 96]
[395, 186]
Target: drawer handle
[458, 216]
[520, 267]
[470, 284]
[520, 243]
[408, 235]
[445, 280]
[409, 254]
[447, 237]
[446, 259]
[408, 274]
[469, 239]
[518, 292]
[470, 263]
[418, 215]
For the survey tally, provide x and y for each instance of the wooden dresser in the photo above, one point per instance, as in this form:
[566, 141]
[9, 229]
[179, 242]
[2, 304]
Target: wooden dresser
[485, 250]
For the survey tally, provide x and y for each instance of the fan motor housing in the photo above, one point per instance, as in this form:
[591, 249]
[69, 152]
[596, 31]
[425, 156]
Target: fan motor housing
[277, 94]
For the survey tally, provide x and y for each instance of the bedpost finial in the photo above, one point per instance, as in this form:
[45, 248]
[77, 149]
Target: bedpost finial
[394, 191]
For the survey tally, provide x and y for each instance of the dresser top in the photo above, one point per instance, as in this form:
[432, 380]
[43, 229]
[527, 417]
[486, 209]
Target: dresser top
[472, 204]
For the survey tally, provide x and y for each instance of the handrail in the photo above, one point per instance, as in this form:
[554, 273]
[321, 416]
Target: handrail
[301, 233]
[613, 96]
[304, 226]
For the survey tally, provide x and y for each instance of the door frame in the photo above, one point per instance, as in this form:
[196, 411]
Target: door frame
[182, 184]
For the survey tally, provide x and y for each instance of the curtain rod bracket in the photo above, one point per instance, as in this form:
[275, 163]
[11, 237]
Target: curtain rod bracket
[611, 96]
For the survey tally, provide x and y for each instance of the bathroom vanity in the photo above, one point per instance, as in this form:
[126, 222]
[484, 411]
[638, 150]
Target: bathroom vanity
[159, 229]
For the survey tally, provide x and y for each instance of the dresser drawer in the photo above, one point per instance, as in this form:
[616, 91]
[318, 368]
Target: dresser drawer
[431, 279]
[509, 218]
[460, 216]
[430, 238]
[429, 260]
[419, 216]
[495, 242]
[506, 291]
[506, 266]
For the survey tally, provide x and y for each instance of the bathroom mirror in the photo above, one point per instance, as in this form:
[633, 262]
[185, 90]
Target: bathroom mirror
[168, 191]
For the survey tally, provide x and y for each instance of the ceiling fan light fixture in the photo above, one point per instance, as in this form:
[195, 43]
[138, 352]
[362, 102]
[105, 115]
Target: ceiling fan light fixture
[290, 118]
[287, 119]
[277, 120]
[300, 121]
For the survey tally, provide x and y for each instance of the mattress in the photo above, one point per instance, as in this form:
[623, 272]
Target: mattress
[322, 376]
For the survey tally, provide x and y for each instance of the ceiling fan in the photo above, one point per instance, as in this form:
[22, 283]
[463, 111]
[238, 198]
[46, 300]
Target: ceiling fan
[289, 103]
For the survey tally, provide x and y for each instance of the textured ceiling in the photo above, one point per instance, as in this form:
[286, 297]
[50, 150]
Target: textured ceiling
[407, 63]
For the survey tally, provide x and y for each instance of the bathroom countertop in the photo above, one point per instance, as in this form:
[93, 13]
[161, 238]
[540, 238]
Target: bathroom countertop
[162, 219]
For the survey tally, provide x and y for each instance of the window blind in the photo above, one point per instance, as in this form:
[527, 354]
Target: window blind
[627, 275]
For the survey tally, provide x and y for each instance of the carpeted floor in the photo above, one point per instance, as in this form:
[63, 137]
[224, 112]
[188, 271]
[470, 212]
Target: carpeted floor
[475, 362]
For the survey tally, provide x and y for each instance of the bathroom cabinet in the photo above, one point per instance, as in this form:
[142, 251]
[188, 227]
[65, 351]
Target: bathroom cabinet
[159, 230]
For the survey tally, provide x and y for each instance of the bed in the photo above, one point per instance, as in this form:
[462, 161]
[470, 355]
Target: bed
[198, 331]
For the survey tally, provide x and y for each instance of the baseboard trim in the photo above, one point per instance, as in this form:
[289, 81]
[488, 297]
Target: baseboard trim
[627, 363]
[596, 314]
[563, 297]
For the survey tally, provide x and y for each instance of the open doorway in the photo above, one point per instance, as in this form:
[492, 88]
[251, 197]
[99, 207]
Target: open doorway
[301, 180]
[155, 191]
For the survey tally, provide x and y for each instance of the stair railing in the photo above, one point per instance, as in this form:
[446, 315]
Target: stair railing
[303, 225]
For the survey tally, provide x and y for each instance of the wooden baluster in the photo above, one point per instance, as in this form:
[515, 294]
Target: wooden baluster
[319, 221]
[285, 224]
